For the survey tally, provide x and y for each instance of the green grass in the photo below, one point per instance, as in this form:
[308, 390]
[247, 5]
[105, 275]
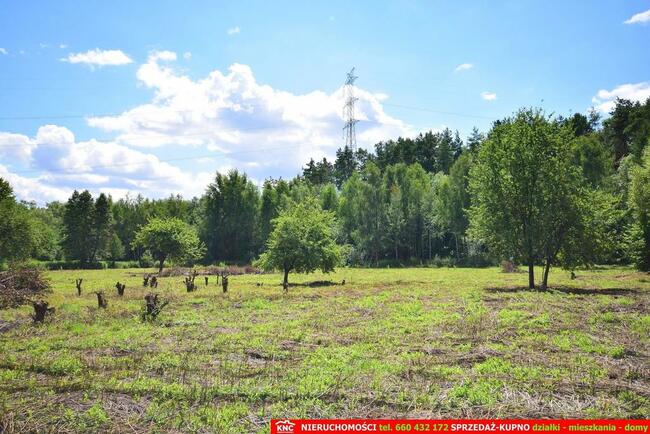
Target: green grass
[423, 343]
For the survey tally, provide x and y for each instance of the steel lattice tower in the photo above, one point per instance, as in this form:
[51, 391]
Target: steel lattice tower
[348, 112]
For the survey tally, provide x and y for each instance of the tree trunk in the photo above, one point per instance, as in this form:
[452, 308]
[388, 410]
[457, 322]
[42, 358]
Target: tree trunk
[531, 274]
[547, 267]
[160, 264]
[285, 282]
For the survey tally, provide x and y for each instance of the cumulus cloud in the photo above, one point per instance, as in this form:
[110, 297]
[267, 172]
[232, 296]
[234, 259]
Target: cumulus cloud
[641, 17]
[99, 57]
[64, 164]
[605, 100]
[247, 121]
[234, 30]
[489, 96]
[16, 147]
[464, 67]
[32, 189]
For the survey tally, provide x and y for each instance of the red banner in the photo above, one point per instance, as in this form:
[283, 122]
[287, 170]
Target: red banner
[296, 426]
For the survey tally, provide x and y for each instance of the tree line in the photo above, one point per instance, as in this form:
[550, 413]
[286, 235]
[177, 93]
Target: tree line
[535, 189]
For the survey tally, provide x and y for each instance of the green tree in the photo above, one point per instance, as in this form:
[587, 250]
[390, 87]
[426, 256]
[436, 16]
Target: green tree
[475, 139]
[87, 227]
[78, 227]
[452, 200]
[526, 195]
[639, 197]
[319, 173]
[445, 151]
[302, 240]
[395, 222]
[370, 218]
[115, 249]
[274, 193]
[344, 165]
[230, 221]
[170, 238]
[594, 159]
[48, 227]
[329, 198]
[17, 235]
[102, 230]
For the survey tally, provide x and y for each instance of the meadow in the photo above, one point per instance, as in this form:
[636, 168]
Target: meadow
[415, 343]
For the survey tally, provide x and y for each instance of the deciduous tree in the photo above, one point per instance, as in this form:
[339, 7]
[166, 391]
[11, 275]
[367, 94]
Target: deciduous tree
[302, 240]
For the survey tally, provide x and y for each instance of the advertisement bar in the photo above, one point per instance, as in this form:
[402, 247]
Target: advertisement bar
[295, 426]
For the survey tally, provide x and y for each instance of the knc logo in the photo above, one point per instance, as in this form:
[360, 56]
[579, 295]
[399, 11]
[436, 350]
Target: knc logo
[284, 426]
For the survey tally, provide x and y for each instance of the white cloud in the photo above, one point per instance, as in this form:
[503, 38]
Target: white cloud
[62, 46]
[489, 96]
[641, 17]
[165, 55]
[64, 164]
[16, 147]
[234, 30]
[463, 67]
[33, 189]
[99, 57]
[605, 100]
[3, 51]
[231, 113]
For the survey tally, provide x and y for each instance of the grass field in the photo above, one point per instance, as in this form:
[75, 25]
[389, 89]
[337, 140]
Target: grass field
[424, 343]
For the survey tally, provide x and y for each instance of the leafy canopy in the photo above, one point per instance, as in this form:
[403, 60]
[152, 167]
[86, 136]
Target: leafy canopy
[170, 238]
[302, 240]
[527, 197]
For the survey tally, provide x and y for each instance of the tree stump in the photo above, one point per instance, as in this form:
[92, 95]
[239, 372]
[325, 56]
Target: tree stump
[152, 307]
[189, 283]
[78, 283]
[102, 303]
[120, 288]
[206, 280]
[224, 283]
[154, 282]
[145, 280]
[41, 309]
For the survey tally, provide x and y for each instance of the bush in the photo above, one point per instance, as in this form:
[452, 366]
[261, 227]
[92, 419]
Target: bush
[20, 285]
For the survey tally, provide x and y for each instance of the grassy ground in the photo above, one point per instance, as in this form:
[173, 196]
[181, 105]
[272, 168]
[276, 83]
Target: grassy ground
[424, 343]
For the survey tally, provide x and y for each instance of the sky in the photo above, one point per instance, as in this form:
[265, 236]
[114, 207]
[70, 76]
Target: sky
[155, 97]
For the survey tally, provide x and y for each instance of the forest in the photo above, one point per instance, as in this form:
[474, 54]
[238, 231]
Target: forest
[536, 189]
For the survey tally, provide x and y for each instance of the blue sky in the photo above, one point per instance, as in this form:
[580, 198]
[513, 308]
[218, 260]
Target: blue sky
[154, 97]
